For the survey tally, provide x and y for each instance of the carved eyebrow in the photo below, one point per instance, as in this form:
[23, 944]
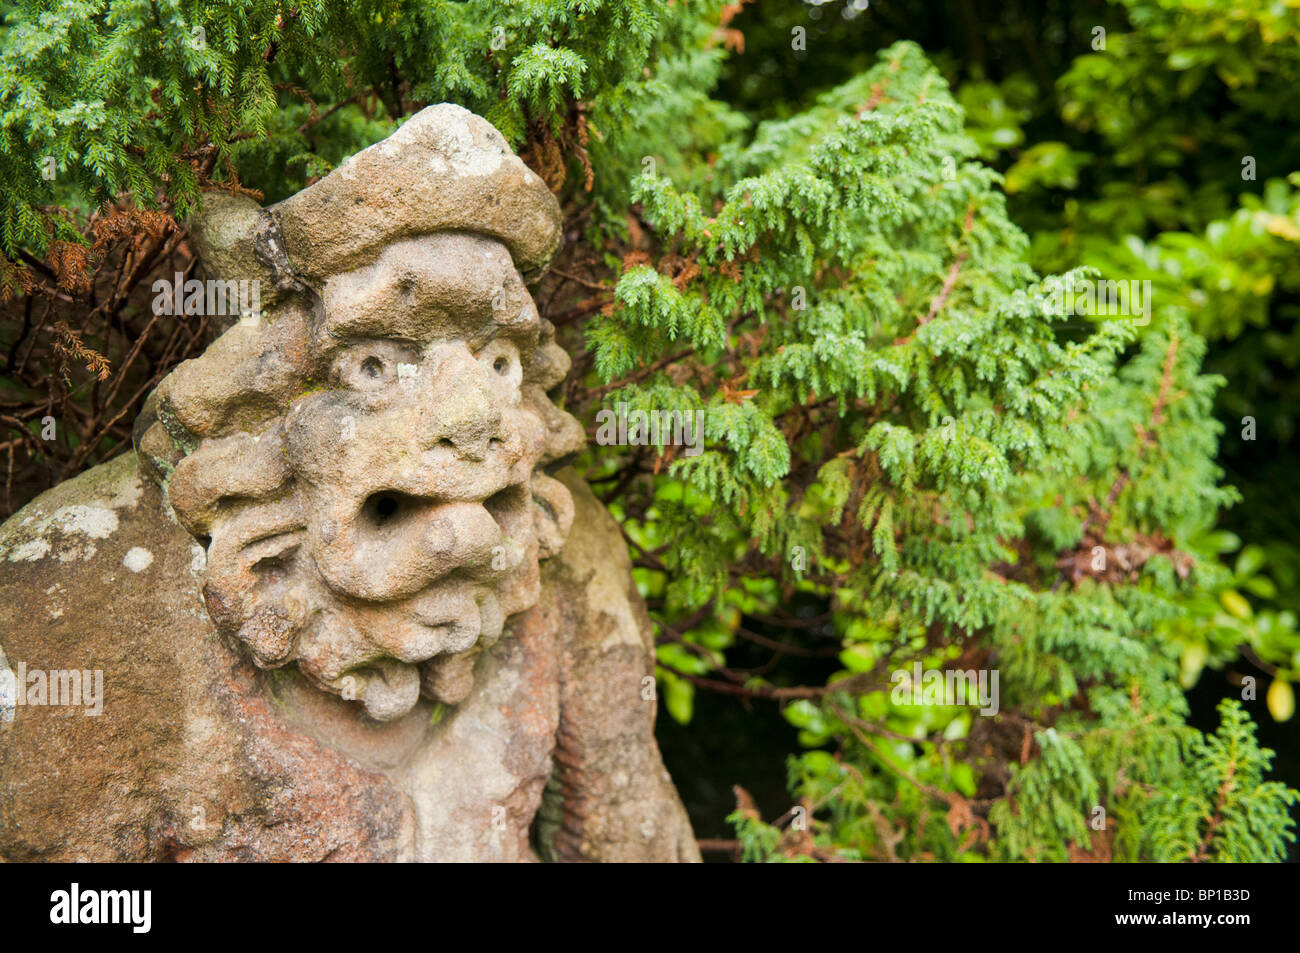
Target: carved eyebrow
[348, 345]
[489, 334]
[361, 340]
[523, 338]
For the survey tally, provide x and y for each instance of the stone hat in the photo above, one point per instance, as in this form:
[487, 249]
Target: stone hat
[444, 169]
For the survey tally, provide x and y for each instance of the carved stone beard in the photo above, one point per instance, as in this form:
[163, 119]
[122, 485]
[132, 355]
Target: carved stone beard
[381, 531]
[271, 595]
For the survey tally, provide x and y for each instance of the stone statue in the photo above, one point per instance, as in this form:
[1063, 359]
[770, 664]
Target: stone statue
[344, 600]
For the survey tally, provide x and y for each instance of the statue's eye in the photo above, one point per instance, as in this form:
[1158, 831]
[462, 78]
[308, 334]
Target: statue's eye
[371, 366]
[500, 360]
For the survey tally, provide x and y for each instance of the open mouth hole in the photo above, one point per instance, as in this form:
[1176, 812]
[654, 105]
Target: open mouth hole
[388, 508]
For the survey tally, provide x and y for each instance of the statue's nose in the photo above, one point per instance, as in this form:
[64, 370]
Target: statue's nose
[462, 411]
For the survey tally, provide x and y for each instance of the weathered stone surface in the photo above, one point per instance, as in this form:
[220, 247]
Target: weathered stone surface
[445, 169]
[617, 802]
[190, 756]
[222, 241]
[340, 608]
[198, 755]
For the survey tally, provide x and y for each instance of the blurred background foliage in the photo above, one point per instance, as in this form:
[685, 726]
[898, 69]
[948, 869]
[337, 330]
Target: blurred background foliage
[1155, 139]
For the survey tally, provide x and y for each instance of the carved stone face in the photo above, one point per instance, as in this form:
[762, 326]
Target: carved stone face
[362, 464]
[383, 528]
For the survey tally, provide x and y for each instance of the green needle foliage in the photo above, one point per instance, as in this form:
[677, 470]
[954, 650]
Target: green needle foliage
[900, 427]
